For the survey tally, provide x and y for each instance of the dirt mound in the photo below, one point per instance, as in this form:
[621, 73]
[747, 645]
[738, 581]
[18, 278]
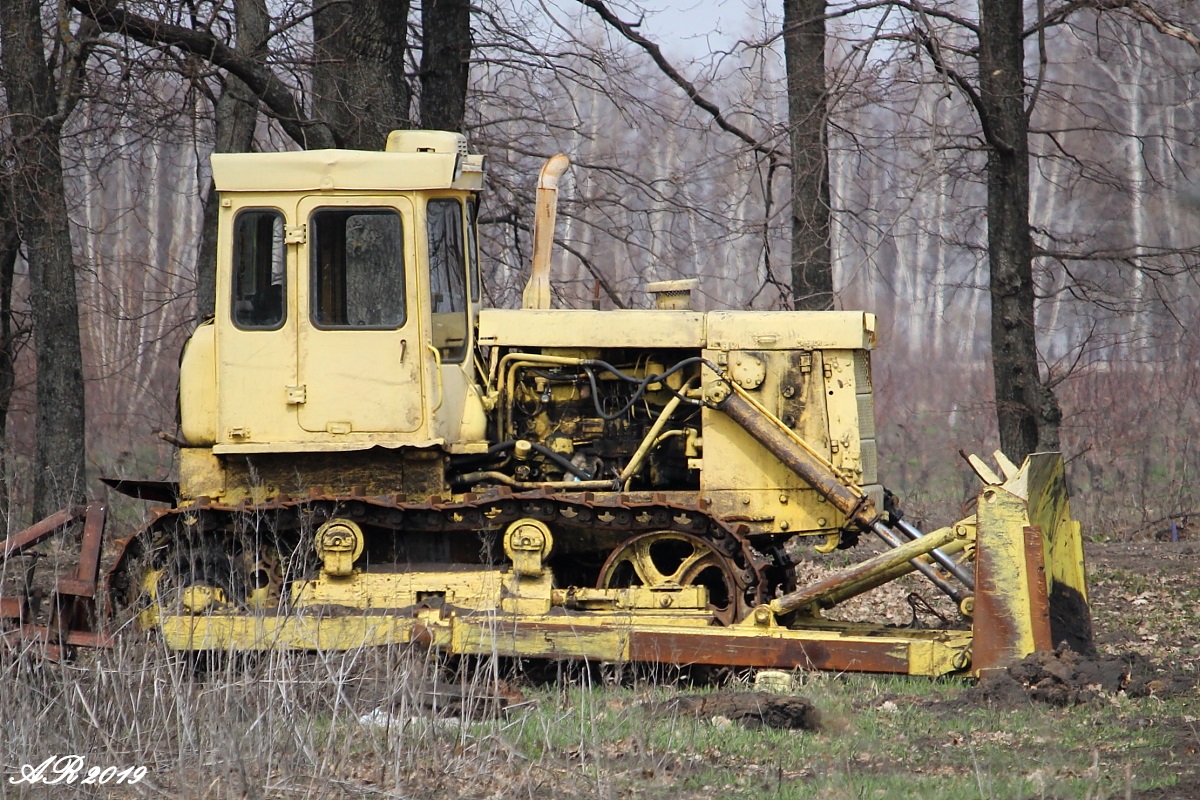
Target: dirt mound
[750, 709]
[1064, 677]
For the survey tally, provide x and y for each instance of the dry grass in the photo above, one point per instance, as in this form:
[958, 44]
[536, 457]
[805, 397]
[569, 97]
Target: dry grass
[277, 724]
[398, 722]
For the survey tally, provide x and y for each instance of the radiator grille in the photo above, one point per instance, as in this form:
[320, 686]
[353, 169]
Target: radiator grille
[862, 371]
[870, 462]
[866, 416]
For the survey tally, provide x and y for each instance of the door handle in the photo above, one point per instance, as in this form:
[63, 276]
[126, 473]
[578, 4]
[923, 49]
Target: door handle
[437, 371]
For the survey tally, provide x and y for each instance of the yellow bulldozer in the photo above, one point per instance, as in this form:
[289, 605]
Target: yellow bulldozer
[368, 457]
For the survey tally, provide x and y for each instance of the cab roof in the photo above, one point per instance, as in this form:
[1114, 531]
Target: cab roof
[413, 160]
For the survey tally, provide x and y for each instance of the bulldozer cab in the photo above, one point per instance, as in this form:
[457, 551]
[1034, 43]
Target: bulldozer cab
[347, 284]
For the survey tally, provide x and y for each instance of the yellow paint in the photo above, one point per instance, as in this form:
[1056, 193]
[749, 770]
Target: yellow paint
[327, 170]
[200, 473]
[198, 387]
[338, 543]
[1050, 510]
[603, 637]
[790, 330]
[294, 631]
[586, 328]
[742, 480]
[478, 589]
[1034, 496]
[306, 389]
[638, 598]
[369, 380]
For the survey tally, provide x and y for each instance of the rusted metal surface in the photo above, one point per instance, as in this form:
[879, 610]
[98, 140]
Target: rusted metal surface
[1039, 596]
[74, 608]
[45, 635]
[12, 610]
[699, 646]
[995, 622]
[71, 615]
[22, 541]
[753, 650]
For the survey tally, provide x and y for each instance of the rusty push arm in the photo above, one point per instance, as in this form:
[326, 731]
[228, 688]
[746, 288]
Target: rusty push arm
[841, 583]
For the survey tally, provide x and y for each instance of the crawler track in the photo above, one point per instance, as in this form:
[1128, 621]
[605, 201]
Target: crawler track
[456, 525]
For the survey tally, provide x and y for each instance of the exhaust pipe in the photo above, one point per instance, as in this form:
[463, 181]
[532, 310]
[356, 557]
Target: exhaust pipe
[537, 291]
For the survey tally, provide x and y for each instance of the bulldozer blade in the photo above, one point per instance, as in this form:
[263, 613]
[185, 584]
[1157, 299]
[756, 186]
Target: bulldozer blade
[1031, 591]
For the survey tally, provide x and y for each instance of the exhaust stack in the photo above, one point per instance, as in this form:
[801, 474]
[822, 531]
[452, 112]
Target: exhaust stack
[537, 291]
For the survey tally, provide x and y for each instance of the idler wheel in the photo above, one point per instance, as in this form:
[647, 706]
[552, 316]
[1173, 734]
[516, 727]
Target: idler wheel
[668, 558]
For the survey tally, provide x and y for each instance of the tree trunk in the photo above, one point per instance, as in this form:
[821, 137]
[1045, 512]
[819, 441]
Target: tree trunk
[359, 89]
[1026, 409]
[804, 53]
[10, 245]
[236, 115]
[445, 63]
[37, 187]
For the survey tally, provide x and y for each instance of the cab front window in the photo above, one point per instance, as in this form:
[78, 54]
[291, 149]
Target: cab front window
[358, 268]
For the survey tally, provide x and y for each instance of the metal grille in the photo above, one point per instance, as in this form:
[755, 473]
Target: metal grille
[866, 416]
[870, 462]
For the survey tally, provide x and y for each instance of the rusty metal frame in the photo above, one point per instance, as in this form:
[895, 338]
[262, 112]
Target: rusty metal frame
[71, 617]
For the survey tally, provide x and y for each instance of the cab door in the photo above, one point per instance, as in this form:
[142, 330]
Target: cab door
[256, 328]
[359, 350]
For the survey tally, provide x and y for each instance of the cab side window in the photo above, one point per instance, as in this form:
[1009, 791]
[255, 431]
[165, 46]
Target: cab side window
[259, 270]
[473, 248]
[447, 277]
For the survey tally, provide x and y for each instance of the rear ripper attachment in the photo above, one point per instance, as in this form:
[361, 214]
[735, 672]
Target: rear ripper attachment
[57, 621]
[368, 456]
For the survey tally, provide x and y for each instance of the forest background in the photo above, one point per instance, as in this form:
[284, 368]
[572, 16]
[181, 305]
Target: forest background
[711, 160]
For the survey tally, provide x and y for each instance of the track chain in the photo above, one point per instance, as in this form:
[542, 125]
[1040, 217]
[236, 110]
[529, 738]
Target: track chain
[491, 510]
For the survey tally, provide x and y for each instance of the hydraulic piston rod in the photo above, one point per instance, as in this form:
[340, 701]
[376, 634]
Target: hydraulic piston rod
[953, 567]
[781, 442]
[894, 541]
[839, 582]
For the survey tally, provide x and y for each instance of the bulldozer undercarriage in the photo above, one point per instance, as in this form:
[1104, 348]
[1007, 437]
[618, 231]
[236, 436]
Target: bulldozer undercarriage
[607, 577]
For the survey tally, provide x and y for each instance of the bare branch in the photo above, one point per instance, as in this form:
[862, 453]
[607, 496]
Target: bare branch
[688, 87]
[273, 93]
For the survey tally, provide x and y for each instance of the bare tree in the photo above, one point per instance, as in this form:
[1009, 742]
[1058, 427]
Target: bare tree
[37, 109]
[10, 245]
[359, 87]
[445, 63]
[273, 92]
[1026, 409]
[804, 51]
[235, 119]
